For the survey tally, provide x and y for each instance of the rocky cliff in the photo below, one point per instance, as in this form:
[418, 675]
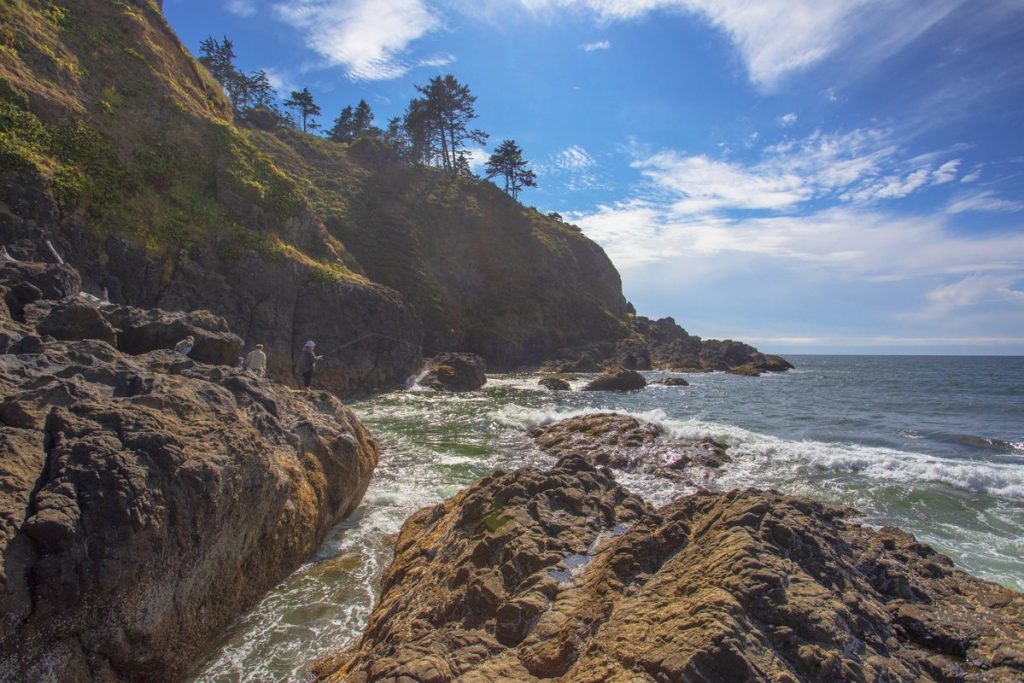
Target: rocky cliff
[120, 148]
[146, 500]
[563, 575]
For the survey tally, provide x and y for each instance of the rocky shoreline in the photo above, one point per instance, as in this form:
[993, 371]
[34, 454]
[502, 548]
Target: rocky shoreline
[147, 500]
[563, 574]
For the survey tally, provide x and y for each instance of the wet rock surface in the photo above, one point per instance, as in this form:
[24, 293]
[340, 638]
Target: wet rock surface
[618, 379]
[672, 382]
[146, 501]
[455, 372]
[562, 575]
[555, 384]
[625, 443]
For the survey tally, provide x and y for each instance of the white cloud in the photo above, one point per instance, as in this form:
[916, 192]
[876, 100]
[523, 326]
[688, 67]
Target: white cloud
[787, 120]
[242, 8]
[859, 167]
[972, 176]
[986, 201]
[478, 157]
[437, 61]
[573, 158]
[779, 37]
[972, 291]
[367, 37]
[598, 45]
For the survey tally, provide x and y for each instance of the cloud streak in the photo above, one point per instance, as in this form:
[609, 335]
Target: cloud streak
[369, 38]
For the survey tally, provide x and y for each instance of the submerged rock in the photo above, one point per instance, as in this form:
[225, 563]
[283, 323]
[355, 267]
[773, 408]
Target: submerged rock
[672, 382]
[563, 575]
[453, 371]
[745, 371]
[146, 501]
[619, 379]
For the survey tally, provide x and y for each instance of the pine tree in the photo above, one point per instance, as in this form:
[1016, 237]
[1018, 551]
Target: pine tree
[362, 119]
[507, 161]
[342, 130]
[302, 102]
[438, 123]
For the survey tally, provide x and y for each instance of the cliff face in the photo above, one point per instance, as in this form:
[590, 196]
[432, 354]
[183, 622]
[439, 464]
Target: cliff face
[146, 500]
[563, 575]
[121, 149]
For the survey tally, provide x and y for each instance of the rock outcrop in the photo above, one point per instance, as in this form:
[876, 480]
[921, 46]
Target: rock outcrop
[672, 382]
[664, 345]
[146, 501]
[554, 384]
[623, 442]
[563, 575]
[452, 371]
[617, 379]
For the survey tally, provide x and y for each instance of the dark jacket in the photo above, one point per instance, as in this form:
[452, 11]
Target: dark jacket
[307, 361]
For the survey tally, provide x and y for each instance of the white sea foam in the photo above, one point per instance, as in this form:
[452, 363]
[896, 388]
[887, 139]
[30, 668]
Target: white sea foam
[764, 460]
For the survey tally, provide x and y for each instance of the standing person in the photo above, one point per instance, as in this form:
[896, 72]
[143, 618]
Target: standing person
[256, 361]
[184, 347]
[307, 363]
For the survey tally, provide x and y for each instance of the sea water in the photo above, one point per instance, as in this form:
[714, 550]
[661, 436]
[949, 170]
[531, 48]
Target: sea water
[934, 445]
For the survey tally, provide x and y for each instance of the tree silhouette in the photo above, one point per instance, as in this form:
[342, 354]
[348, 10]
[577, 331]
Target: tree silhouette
[302, 102]
[508, 162]
[438, 123]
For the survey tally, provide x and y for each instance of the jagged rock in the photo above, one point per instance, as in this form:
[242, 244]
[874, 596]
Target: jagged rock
[27, 283]
[72, 319]
[454, 371]
[729, 354]
[672, 382]
[619, 379]
[141, 331]
[146, 501]
[745, 371]
[555, 384]
[626, 443]
[563, 575]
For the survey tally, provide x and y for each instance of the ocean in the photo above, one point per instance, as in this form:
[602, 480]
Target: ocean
[931, 444]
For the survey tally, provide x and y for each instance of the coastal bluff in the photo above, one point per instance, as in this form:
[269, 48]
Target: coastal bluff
[564, 575]
[147, 500]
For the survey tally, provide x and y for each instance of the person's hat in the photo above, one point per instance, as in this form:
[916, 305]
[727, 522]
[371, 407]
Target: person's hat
[310, 343]
[190, 338]
[259, 346]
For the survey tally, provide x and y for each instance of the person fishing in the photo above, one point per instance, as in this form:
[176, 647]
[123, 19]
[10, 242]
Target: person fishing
[307, 363]
[184, 347]
[256, 361]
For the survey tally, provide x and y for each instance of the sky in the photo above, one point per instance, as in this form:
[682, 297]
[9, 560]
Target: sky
[810, 177]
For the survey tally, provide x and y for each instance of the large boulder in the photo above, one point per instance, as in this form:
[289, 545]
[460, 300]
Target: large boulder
[73, 319]
[563, 575]
[618, 379]
[453, 371]
[25, 283]
[146, 501]
[144, 330]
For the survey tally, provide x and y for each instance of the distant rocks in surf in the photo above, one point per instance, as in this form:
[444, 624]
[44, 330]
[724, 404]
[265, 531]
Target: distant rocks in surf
[664, 345]
[555, 384]
[626, 443]
[617, 379]
[745, 371]
[455, 371]
[563, 574]
[672, 382]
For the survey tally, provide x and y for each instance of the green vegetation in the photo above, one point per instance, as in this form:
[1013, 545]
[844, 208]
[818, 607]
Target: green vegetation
[508, 162]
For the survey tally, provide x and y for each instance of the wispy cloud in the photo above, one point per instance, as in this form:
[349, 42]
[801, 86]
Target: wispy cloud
[573, 158]
[787, 120]
[369, 38]
[972, 291]
[987, 201]
[437, 61]
[598, 45]
[575, 167]
[779, 37]
[859, 167]
[241, 8]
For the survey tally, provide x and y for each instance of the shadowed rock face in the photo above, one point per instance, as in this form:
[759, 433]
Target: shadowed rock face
[145, 501]
[617, 379]
[562, 575]
[452, 371]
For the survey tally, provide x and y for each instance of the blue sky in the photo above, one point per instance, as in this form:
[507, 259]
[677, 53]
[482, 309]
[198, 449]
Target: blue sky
[808, 176]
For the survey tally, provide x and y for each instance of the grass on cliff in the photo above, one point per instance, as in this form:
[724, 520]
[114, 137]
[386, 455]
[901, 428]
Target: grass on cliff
[100, 100]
